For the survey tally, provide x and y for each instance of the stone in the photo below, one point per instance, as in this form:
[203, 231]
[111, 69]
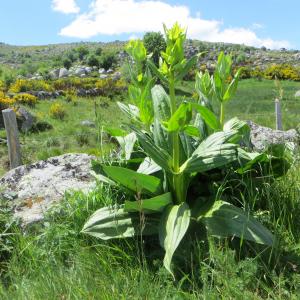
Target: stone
[38, 187]
[261, 136]
[103, 76]
[102, 71]
[54, 74]
[297, 94]
[88, 123]
[63, 72]
[88, 69]
[25, 119]
[79, 71]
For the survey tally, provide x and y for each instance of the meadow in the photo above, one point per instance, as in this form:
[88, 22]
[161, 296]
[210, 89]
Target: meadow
[55, 261]
[245, 246]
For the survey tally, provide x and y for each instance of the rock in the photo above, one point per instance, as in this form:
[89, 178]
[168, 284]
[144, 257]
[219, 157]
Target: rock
[26, 119]
[109, 71]
[39, 186]
[261, 136]
[63, 72]
[102, 71]
[88, 123]
[117, 76]
[79, 71]
[103, 76]
[88, 69]
[54, 74]
[297, 94]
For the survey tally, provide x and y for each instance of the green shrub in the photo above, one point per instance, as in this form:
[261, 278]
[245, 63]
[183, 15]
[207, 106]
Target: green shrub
[245, 73]
[107, 60]
[57, 111]
[93, 60]
[26, 99]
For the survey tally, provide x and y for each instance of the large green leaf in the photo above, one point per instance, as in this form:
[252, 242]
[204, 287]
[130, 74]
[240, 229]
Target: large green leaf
[180, 118]
[110, 222]
[153, 205]
[187, 67]
[156, 153]
[212, 153]
[224, 220]
[137, 182]
[148, 167]
[161, 107]
[131, 111]
[208, 116]
[173, 227]
[127, 144]
[231, 90]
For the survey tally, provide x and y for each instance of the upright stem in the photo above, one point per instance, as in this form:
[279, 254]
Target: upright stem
[177, 179]
[222, 114]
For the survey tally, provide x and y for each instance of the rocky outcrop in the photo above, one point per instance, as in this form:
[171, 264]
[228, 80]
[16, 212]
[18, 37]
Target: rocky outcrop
[262, 136]
[32, 190]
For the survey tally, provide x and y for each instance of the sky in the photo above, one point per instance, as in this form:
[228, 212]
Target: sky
[271, 23]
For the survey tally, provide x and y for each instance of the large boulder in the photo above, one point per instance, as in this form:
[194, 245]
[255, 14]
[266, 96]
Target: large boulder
[35, 188]
[54, 74]
[63, 72]
[79, 71]
[261, 136]
[26, 120]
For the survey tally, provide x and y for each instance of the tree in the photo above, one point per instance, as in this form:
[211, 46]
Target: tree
[99, 51]
[92, 60]
[67, 63]
[154, 43]
[82, 52]
[107, 60]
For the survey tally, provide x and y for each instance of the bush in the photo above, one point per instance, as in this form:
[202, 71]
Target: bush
[26, 99]
[93, 61]
[107, 60]
[282, 72]
[25, 85]
[67, 63]
[245, 73]
[57, 111]
[5, 102]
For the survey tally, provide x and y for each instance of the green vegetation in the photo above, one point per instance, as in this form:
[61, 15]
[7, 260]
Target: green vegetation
[170, 137]
[164, 195]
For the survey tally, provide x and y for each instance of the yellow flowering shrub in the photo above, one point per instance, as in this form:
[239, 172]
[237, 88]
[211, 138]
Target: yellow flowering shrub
[57, 111]
[25, 85]
[282, 72]
[26, 99]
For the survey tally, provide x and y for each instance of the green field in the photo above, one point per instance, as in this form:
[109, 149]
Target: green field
[55, 261]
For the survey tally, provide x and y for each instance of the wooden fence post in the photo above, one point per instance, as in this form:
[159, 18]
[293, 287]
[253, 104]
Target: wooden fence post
[14, 149]
[278, 115]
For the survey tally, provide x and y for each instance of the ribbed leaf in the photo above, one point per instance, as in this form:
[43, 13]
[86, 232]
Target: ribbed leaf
[148, 167]
[173, 227]
[224, 220]
[208, 116]
[156, 153]
[134, 181]
[148, 206]
[211, 153]
[127, 144]
[109, 223]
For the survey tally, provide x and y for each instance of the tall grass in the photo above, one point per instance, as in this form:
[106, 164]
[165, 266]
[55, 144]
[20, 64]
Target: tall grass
[54, 260]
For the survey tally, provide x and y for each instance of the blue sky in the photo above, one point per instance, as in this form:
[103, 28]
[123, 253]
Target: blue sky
[273, 23]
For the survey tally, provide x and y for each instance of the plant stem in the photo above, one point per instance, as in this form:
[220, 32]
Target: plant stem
[177, 179]
[222, 114]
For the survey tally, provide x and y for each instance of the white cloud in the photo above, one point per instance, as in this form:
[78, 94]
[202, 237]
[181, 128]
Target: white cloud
[65, 6]
[112, 17]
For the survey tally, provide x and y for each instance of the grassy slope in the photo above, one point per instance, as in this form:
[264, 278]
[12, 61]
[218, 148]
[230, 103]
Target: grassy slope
[57, 262]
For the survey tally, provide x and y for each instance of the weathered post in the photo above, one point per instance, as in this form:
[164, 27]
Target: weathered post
[14, 149]
[278, 115]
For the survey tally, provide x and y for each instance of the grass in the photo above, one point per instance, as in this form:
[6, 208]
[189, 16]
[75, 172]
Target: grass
[54, 260]
[67, 135]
